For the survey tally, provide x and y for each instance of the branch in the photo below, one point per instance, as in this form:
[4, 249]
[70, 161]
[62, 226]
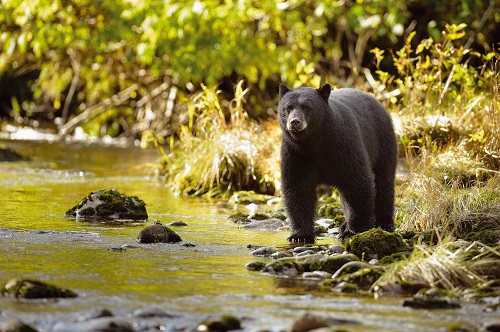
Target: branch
[96, 110]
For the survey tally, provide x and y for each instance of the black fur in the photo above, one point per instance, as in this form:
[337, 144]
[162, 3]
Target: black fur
[342, 138]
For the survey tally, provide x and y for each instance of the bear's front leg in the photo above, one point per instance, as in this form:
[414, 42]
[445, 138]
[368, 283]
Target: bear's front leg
[299, 180]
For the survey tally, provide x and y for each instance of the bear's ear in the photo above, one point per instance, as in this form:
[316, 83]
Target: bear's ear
[283, 89]
[325, 90]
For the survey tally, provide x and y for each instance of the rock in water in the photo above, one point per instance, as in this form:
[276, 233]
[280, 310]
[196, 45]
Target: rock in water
[34, 289]
[108, 204]
[158, 233]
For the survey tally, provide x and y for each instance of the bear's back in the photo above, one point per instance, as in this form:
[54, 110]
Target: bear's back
[361, 115]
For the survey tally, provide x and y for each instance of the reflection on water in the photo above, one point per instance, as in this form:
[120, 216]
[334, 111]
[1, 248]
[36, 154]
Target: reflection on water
[109, 269]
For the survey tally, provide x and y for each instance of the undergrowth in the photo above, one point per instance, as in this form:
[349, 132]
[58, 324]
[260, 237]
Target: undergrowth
[221, 150]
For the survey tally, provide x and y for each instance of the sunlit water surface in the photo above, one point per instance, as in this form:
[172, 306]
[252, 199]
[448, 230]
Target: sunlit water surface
[106, 266]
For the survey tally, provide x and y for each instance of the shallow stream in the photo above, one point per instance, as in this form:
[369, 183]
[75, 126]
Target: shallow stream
[106, 266]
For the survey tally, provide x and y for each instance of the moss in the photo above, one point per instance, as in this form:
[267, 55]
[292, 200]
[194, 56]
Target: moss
[71, 213]
[255, 266]
[396, 257]
[375, 243]
[281, 215]
[346, 287]
[88, 212]
[337, 221]
[488, 237]
[364, 278]
[34, 289]
[260, 216]
[237, 216]
[333, 263]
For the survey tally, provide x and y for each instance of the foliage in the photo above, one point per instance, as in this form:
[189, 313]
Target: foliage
[59, 58]
[444, 94]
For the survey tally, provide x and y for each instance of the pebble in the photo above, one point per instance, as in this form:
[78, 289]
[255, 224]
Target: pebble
[336, 249]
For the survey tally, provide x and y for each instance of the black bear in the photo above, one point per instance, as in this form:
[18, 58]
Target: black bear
[342, 138]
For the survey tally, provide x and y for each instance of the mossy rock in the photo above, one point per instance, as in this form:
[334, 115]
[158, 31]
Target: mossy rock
[375, 243]
[287, 267]
[108, 204]
[332, 264]
[225, 323]
[34, 289]
[346, 287]
[279, 215]
[396, 257]
[363, 278]
[255, 266]
[489, 237]
[158, 233]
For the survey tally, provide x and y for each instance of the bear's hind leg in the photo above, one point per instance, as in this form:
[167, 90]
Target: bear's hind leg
[384, 199]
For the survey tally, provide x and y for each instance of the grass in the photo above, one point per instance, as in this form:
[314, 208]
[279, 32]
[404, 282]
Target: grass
[448, 266]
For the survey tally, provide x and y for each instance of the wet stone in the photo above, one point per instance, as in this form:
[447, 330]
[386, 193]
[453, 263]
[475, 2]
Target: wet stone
[320, 275]
[302, 249]
[305, 253]
[178, 224]
[308, 322]
[281, 254]
[266, 224]
[335, 249]
[158, 233]
[263, 252]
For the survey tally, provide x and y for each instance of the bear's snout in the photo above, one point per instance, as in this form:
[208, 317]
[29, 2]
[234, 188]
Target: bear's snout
[296, 122]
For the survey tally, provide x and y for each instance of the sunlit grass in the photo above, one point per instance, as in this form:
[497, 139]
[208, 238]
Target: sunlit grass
[447, 266]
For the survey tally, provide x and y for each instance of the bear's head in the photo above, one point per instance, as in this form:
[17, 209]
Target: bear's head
[303, 109]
